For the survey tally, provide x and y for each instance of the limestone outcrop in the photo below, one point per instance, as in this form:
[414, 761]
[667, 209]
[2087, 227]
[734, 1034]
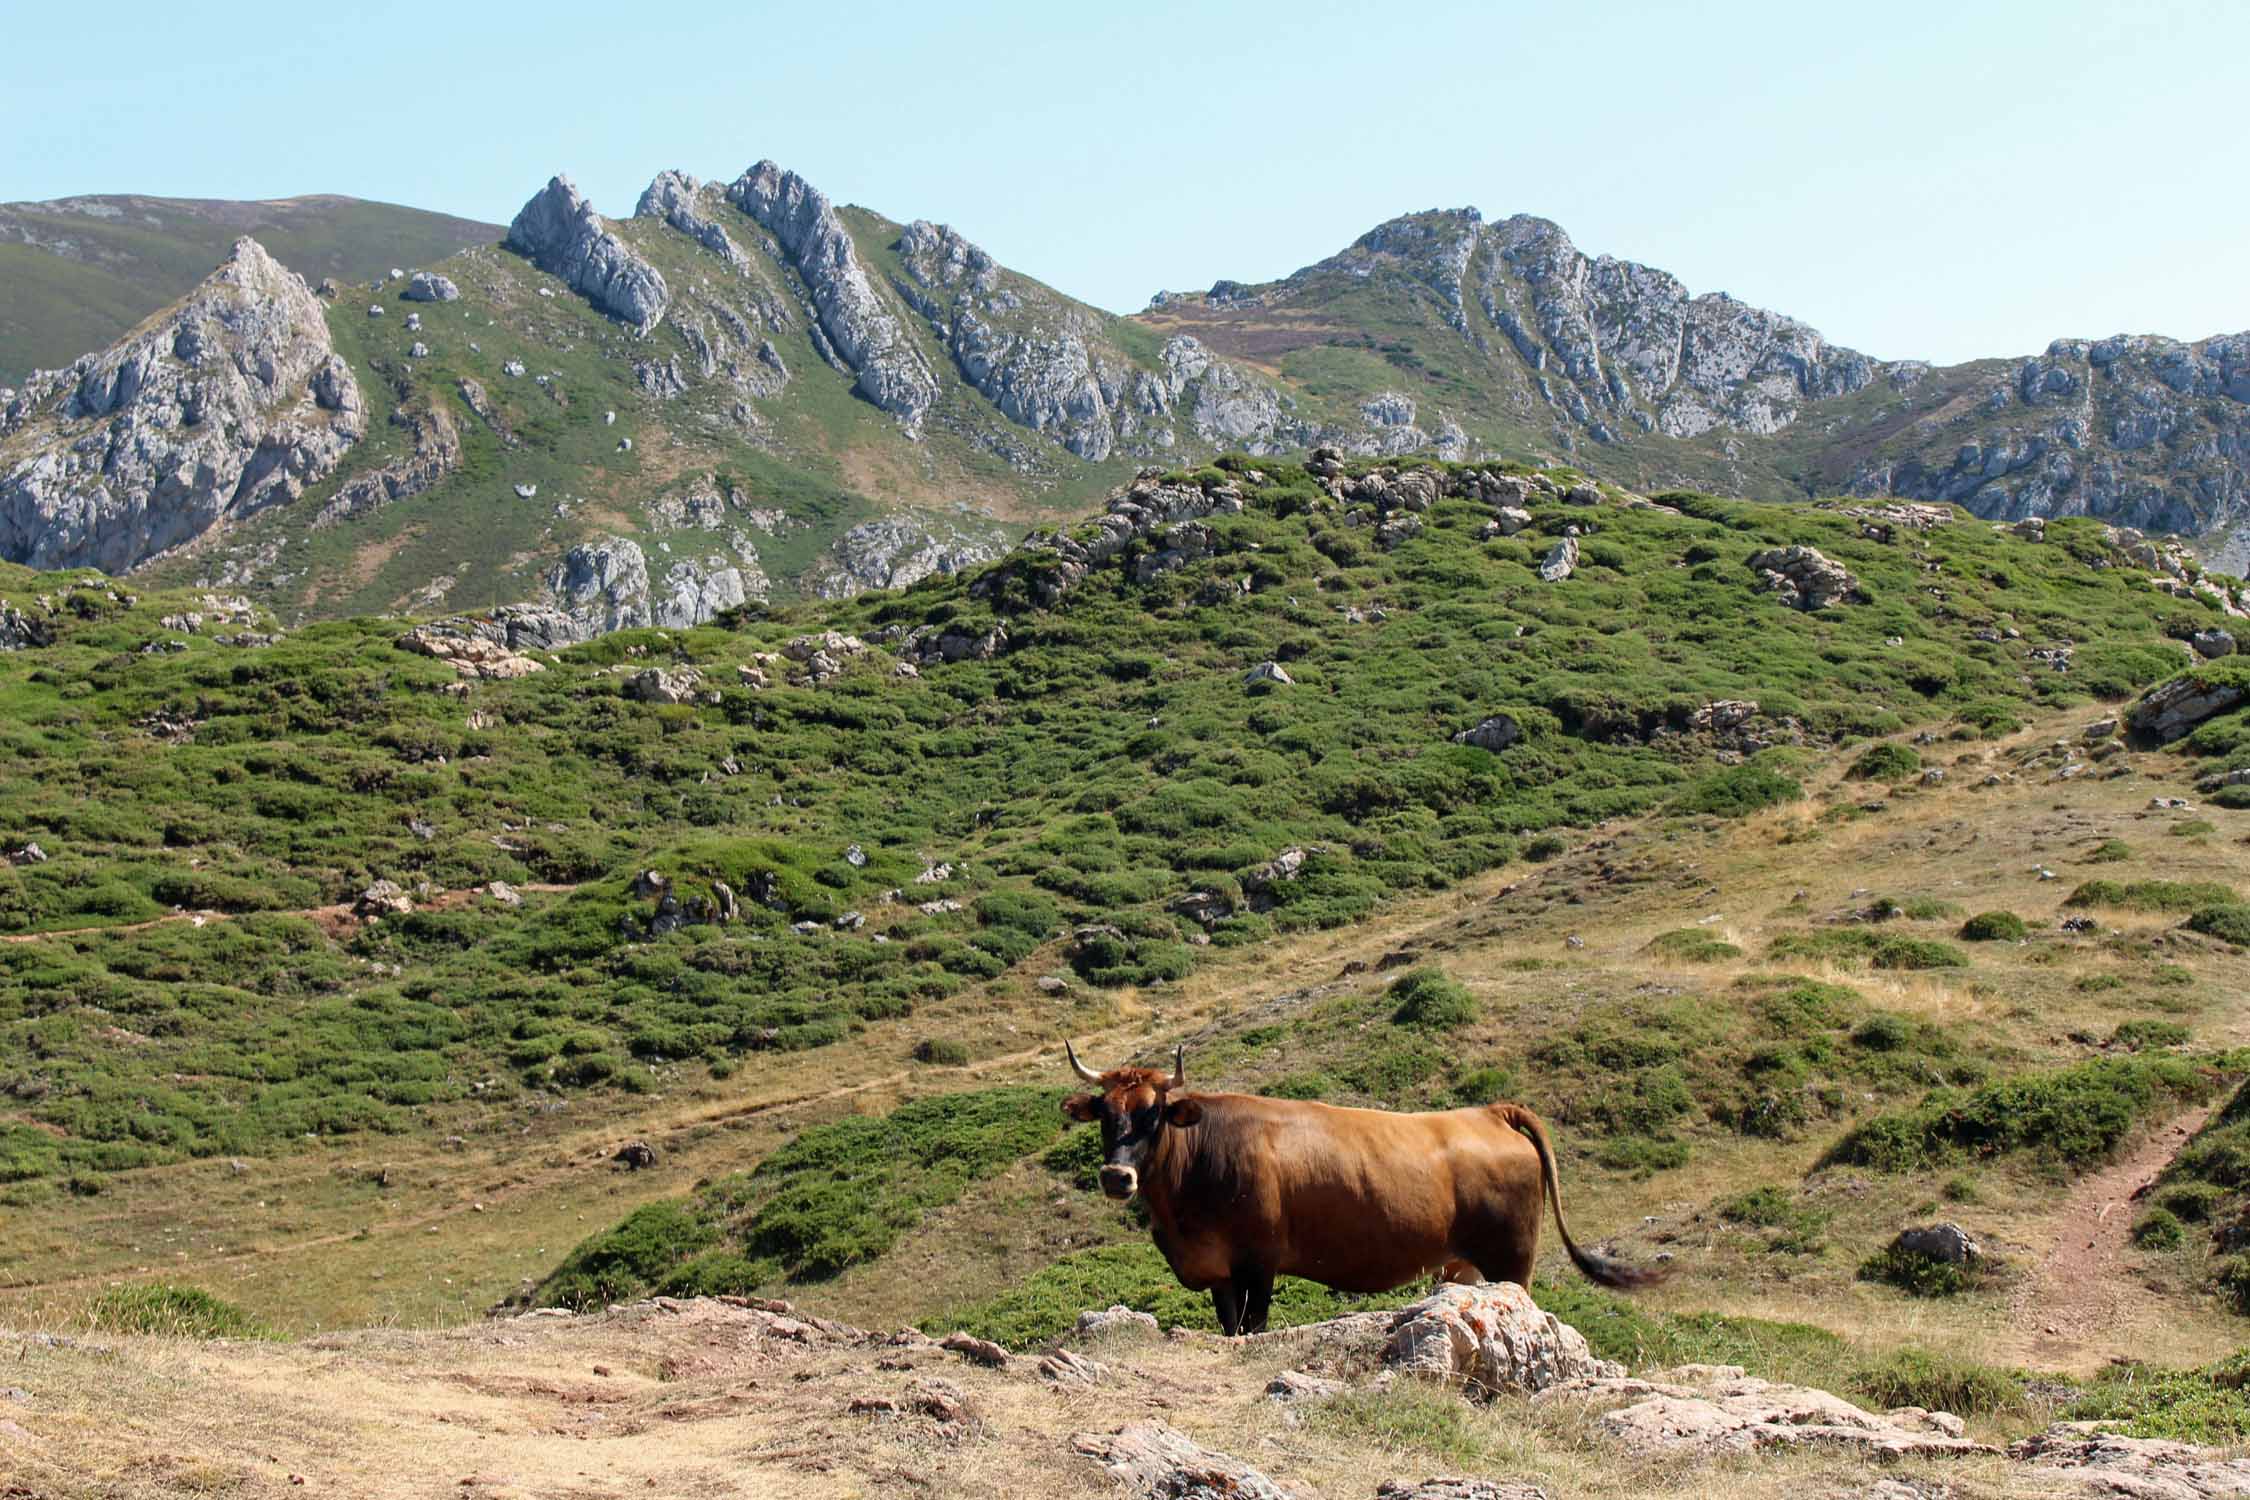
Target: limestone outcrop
[860, 331]
[559, 232]
[231, 401]
[672, 197]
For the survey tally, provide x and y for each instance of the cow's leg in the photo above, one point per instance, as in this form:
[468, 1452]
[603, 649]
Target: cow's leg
[1507, 1255]
[1226, 1300]
[1257, 1296]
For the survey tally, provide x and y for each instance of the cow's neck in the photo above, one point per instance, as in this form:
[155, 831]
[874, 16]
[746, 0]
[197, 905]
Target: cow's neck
[1168, 1166]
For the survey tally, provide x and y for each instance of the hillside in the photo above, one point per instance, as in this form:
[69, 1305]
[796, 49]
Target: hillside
[77, 272]
[744, 392]
[1527, 343]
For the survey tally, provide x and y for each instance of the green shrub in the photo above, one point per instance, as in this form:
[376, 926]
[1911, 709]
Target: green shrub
[1938, 1382]
[2109, 852]
[2229, 924]
[1917, 953]
[1431, 998]
[1479, 1086]
[2153, 895]
[2187, 1406]
[1915, 1274]
[1692, 945]
[2159, 1229]
[941, 1052]
[1774, 1208]
[1885, 762]
[1995, 927]
[1737, 792]
[839, 1194]
[183, 1312]
[2072, 1116]
[2136, 1035]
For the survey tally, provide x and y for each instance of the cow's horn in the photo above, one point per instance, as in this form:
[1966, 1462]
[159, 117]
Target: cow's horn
[1179, 1066]
[1078, 1067]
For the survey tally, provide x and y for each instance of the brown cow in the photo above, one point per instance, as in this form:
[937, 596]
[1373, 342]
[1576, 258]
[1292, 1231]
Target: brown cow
[1241, 1189]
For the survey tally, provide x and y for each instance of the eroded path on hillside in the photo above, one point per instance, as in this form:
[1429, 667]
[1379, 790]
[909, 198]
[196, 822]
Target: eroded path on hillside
[2074, 1304]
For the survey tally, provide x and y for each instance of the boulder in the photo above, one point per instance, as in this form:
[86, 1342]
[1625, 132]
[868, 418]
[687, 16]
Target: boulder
[427, 286]
[504, 893]
[382, 899]
[1708, 1410]
[658, 685]
[2170, 710]
[1296, 1385]
[1061, 1367]
[2213, 643]
[1561, 561]
[1947, 1242]
[1507, 520]
[1458, 1489]
[470, 652]
[2076, 1458]
[1495, 733]
[1156, 1462]
[1268, 671]
[1491, 1337]
[1804, 578]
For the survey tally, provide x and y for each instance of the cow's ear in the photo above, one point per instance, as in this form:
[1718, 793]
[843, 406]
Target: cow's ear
[1082, 1107]
[1182, 1112]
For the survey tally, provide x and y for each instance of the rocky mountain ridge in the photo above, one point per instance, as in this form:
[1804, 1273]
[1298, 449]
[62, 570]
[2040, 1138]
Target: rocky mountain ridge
[1595, 355]
[891, 402]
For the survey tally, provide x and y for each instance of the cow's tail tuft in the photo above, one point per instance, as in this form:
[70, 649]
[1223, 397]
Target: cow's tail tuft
[1602, 1269]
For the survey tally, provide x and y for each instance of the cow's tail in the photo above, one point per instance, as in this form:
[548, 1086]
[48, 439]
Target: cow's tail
[1604, 1269]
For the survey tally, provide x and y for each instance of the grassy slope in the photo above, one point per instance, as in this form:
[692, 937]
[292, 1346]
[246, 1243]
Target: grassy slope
[1040, 781]
[55, 306]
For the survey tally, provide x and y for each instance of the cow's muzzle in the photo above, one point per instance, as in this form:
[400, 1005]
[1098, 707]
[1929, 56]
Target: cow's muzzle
[1120, 1182]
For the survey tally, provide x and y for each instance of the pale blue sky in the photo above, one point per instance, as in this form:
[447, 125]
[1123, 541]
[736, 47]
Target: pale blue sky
[1929, 180]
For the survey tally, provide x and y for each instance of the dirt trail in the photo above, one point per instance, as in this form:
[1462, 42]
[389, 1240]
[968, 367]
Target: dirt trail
[2081, 1302]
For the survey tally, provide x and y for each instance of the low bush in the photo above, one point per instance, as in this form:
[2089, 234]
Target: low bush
[1885, 762]
[183, 1312]
[1915, 1274]
[1938, 1382]
[1798, 1225]
[2159, 1229]
[2137, 1035]
[1995, 927]
[2072, 1116]
[2207, 1406]
[941, 1052]
[1433, 999]
[1737, 792]
[839, 1194]
[1692, 945]
[2153, 895]
[2229, 924]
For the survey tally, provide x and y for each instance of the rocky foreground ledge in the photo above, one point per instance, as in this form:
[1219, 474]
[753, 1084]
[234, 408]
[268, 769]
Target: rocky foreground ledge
[1482, 1342]
[745, 1396]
